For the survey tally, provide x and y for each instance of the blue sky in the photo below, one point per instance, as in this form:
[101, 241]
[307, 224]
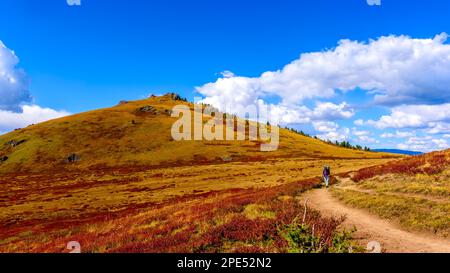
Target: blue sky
[77, 58]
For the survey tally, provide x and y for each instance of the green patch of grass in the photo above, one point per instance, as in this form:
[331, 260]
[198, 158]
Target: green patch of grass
[254, 211]
[301, 239]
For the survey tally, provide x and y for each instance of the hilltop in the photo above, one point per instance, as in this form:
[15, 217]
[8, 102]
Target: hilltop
[138, 133]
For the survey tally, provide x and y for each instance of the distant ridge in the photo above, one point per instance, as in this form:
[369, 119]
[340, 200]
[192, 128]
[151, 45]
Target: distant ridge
[395, 151]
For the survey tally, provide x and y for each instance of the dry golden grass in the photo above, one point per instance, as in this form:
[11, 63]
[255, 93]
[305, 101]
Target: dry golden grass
[414, 192]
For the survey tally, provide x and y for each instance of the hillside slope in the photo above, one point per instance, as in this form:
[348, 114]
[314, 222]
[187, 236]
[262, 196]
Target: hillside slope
[134, 134]
[129, 187]
[413, 192]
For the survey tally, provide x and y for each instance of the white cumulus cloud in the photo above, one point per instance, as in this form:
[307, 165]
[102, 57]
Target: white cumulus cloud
[414, 116]
[424, 144]
[325, 126]
[396, 69]
[340, 134]
[13, 81]
[410, 76]
[31, 114]
[16, 110]
[398, 134]
[331, 111]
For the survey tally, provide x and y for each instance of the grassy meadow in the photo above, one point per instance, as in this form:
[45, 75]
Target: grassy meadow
[132, 188]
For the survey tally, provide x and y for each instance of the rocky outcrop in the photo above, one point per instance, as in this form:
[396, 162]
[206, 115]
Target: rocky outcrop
[147, 109]
[72, 158]
[14, 143]
[175, 96]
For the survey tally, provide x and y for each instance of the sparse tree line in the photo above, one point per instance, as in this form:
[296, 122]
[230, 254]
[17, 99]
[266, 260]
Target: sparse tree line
[342, 144]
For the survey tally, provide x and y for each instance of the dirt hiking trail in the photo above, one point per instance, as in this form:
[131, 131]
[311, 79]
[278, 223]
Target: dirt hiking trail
[372, 228]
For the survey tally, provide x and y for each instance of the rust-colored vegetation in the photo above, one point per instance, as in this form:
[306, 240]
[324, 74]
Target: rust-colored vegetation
[211, 222]
[429, 164]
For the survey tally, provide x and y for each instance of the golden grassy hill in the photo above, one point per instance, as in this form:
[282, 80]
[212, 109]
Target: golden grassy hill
[135, 189]
[123, 136]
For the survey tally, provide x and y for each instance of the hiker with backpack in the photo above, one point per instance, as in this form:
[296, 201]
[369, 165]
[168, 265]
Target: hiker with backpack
[326, 175]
